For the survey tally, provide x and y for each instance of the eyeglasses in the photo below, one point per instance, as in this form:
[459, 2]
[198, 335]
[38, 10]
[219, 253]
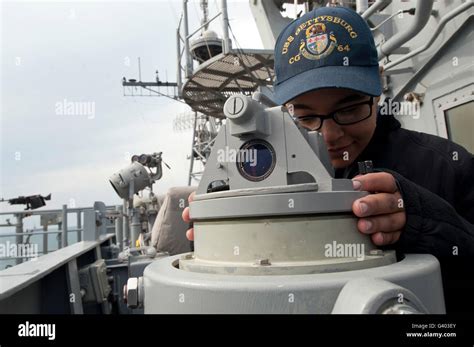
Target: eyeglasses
[345, 116]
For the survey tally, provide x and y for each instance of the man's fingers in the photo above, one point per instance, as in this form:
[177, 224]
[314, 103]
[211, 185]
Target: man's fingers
[384, 209]
[383, 239]
[384, 223]
[190, 234]
[377, 182]
[376, 204]
[185, 215]
[186, 218]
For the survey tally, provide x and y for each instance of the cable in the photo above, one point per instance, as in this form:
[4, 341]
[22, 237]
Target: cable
[170, 3]
[197, 12]
[242, 53]
[167, 96]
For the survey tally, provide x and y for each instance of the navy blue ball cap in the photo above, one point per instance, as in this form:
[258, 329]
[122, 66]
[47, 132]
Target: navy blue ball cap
[329, 47]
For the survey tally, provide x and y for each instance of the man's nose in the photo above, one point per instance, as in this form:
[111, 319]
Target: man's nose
[331, 131]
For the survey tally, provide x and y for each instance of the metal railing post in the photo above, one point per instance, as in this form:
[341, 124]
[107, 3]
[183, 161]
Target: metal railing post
[64, 227]
[19, 232]
[59, 237]
[79, 226]
[45, 239]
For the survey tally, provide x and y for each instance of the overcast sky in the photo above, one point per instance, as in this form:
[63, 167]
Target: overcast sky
[57, 52]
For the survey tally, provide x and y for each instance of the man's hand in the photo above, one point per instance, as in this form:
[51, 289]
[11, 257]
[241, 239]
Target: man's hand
[185, 215]
[382, 213]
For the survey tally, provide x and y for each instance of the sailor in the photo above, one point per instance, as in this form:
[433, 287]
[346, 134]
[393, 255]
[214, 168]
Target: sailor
[422, 201]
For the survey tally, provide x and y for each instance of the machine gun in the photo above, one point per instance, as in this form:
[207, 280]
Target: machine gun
[32, 202]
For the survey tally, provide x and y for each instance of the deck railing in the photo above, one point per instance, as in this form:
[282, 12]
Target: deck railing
[110, 218]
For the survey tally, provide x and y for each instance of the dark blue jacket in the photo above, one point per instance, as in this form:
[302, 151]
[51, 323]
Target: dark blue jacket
[435, 177]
